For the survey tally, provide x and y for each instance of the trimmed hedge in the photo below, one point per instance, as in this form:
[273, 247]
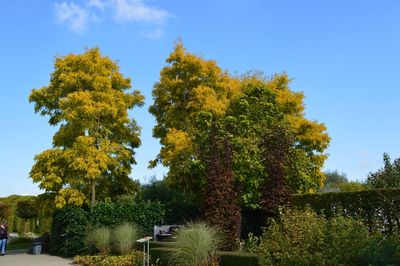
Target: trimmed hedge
[161, 244]
[231, 258]
[226, 258]
[68, 232]
[379, 209]
[70, 224]
[145, 214]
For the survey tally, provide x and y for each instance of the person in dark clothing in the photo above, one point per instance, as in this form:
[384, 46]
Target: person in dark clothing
[3, 237]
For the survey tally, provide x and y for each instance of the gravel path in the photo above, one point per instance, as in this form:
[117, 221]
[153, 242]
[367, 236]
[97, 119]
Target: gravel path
[23, 259]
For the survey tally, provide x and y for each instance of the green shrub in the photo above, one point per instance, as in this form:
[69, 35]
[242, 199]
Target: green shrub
[144, 214]
[345, 239]
[382, 250]
[68, 232]
[132, 259]
[303, 238]
[379, 209]
[100, 239]
[124, 237]
[196, 244]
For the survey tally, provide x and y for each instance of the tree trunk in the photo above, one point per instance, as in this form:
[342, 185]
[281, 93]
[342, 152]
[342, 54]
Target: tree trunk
[93, 193]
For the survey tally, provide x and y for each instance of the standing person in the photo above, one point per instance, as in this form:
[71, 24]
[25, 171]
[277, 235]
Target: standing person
[3, 237]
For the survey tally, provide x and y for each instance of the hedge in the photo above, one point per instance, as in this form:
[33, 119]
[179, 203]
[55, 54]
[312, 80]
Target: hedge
[161, 255]
[70, 224]
[231, 258]
[145, 214]
[68, 232]
[379, 209]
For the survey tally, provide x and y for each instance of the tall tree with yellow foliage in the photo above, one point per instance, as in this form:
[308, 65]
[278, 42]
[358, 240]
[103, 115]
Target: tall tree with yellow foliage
[88, 99]
[187, 86]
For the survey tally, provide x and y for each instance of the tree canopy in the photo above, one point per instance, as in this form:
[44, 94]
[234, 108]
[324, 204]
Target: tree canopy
[192, 88]
[88, 99]
[188, 86]
[386, 177]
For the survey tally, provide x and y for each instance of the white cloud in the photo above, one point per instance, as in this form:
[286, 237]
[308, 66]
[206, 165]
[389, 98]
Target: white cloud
[78, 17]
[155, 34]
[138, 11]
[73, 15]
[100, 4]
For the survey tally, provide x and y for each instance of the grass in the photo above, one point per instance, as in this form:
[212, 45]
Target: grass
[124, 238]
[100, 238]
[195, 245]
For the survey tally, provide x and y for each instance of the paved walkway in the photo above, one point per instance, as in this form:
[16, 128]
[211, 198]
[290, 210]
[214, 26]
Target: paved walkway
[14, 258]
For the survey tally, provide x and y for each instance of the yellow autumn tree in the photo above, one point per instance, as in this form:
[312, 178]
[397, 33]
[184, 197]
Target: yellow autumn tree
[88, 99]
[188, 85]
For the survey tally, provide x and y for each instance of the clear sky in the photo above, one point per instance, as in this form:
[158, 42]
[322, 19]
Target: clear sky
[344, 55]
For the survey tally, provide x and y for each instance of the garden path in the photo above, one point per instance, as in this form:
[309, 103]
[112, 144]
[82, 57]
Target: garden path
[23, 259]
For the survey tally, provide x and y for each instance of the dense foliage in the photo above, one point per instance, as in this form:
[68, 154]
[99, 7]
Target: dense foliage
[303, 238]
[4, 210]
[379, 209]
[36, 220]
[178, 208]
[386, 177]
[93, 149]
[69, 230]
[144, 214]
[27, 208]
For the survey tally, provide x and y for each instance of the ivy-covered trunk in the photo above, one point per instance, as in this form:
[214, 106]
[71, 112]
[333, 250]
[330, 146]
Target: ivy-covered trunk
[277, 146]
[220, 200]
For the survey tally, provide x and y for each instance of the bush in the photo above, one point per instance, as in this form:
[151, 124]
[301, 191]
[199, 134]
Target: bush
[68, 232]
[196, 244]
[378, 209]
[302, 238]
[145, 214]
[382, 250]
[100, 239]
[124, 238]
[133, 259]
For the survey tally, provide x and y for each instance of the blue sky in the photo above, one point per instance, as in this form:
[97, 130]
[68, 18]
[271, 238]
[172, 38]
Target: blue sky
[344, 55]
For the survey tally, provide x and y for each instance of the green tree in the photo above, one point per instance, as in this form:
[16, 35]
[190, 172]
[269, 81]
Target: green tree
[88, 99]
[27, 209]
[333, 180]
[388, 176]
[4, 210]
[276, 147]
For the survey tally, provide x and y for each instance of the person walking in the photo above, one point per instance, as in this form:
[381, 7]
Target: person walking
[3, 237]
